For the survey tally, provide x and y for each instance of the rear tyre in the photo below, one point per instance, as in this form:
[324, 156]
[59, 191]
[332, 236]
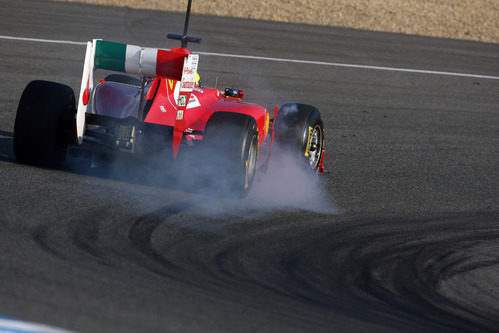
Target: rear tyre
[230, 153]
[299, 130]
[45, 124]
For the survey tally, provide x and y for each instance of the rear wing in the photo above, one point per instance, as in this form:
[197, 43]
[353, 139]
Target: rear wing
[176, 64]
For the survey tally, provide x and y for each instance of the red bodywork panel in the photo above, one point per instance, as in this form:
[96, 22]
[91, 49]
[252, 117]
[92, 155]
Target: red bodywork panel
[203, 103]
[170, 63]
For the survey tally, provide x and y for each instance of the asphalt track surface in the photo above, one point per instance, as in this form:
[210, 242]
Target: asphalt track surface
[401, 236]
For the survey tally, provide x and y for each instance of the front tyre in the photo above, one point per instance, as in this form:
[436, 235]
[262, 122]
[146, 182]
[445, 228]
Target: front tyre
[45, 124]
[299, 130]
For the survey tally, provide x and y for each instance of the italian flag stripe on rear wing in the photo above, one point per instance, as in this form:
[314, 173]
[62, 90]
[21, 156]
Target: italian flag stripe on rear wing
[110, 55]
[176, 64]
[133, 59]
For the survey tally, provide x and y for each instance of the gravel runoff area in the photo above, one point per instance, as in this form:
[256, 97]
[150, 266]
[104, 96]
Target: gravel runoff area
[460, 19]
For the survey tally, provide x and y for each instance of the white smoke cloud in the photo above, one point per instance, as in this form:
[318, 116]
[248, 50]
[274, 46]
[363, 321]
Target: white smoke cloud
[289, 185]
[285, 185]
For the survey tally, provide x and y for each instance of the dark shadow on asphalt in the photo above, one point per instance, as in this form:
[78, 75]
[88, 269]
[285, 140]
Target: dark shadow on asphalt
[6, 147]
[118, 169]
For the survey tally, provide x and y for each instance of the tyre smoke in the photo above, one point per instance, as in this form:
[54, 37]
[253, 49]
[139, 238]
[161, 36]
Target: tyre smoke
[287, 184]
[284, 184]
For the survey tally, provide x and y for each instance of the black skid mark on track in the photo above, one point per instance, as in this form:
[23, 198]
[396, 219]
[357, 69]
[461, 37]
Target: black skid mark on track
[377, 270]
[141, 233]
[41, 237]
[406, 277]
[83, 234]
[394, 273]
[86, 237]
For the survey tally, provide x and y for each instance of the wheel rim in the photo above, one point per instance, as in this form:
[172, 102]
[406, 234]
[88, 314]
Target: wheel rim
[251, 162]
[315, 147]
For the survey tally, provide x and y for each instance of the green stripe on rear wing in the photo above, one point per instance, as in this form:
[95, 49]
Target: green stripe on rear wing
[110, 55]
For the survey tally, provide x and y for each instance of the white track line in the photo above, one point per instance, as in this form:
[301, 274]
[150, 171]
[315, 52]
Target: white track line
[38, 40]
[335, 64]
[309, 62]
[16, 326]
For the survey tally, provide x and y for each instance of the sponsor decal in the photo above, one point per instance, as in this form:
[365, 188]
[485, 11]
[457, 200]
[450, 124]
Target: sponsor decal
[188, 81]
[180, 114]
[193, 102]
[188, 85]
[182, 100]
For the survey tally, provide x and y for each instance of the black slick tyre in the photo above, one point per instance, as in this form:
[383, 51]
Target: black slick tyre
[299, 131]
[45, 124]
[230, 153]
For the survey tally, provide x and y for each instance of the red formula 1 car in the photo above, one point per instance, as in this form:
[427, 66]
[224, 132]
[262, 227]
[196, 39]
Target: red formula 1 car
[156, 107]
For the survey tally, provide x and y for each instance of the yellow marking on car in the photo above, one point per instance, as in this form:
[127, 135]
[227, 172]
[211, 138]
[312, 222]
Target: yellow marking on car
[171, 83]
[246, 180]
[267, 121]
[307, 149]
